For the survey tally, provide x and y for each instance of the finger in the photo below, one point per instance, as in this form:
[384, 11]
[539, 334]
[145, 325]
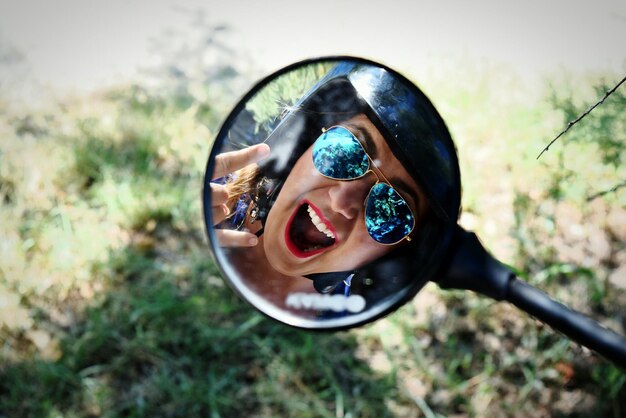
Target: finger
[228, 238]
[219, 213]
[229, 162]
[219, 194]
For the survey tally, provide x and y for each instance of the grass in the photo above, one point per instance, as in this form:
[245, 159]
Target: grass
[110, 304]
[168, 342]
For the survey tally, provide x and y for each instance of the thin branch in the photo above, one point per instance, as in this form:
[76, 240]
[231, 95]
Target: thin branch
[604, 192]
[575, 121]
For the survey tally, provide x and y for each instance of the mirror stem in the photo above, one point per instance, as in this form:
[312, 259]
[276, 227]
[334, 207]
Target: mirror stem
[472, 267]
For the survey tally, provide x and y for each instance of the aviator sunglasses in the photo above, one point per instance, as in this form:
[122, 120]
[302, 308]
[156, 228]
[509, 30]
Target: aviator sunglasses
[339, 155]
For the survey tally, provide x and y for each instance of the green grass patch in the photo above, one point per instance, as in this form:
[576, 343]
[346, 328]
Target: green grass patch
[110, 303]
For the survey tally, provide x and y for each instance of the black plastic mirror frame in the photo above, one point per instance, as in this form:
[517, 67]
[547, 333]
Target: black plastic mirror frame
[369, 315]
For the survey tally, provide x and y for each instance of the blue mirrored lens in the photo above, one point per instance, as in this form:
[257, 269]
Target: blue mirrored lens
[339, 155]
[388, 218]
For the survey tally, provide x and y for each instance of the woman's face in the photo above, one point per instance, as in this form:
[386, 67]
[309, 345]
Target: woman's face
[317, 224]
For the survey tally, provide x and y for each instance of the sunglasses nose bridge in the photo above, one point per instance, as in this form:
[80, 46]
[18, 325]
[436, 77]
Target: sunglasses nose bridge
[371, 170]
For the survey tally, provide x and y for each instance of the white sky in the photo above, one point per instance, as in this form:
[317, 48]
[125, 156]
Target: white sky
[81, 44]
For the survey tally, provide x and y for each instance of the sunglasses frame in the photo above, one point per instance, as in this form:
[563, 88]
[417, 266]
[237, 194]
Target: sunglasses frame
[370, 164]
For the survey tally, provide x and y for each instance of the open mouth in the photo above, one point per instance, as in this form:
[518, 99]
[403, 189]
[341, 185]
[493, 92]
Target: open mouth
[308, 233]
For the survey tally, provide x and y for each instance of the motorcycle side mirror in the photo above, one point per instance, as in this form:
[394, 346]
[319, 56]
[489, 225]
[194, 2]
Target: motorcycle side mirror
[331, 197]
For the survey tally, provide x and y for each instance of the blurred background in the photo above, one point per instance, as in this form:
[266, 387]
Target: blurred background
[110, 304]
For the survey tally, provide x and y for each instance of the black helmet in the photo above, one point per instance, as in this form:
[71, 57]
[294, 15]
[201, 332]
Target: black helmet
[413, 128]
[418, 138]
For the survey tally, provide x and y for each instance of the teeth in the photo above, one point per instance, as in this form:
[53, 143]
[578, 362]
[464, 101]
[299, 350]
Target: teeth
[321, 226]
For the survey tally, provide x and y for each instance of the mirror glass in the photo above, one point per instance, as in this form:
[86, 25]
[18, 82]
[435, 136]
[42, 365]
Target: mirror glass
[331, 193]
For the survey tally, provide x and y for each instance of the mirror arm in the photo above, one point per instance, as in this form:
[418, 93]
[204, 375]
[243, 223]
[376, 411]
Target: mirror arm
[472, 267]
[469, 266]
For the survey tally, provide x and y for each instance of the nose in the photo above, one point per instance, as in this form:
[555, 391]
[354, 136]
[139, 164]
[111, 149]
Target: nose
[348, 197]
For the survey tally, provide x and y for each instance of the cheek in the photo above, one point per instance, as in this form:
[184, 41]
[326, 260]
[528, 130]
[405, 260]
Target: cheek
[296, 185]
[301, 180]
[374, 249]
[363, 246]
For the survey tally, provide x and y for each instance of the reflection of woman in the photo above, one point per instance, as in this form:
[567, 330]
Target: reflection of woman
[337, 201]
[324, 218]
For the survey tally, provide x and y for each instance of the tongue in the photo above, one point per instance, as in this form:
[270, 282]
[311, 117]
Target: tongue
[305, 235]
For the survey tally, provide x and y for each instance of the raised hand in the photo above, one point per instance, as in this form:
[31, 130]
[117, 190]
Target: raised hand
[227, 163]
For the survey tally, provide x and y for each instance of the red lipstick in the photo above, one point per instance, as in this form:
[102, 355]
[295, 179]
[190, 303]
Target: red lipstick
[302, 238]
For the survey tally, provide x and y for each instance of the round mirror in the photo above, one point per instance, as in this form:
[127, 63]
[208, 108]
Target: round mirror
[331, 193]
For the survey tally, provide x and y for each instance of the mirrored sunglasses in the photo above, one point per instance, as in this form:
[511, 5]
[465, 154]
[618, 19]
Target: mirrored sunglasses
[339, 155]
